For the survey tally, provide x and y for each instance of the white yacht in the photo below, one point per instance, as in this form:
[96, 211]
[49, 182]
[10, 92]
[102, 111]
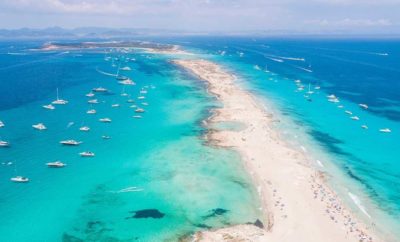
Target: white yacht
[93, 101]
[364, 106]
[145, 104]
[105, 120]
[84, 128]
[105, 137]
[20, 179]
[39, 126]
[340, 106]
[115, 105]
[70, 142]
[56, 164]
[91, 111]
[143, 91]
[1, 124]
[50, 107]
[128, 82]
[385, 130]
[4, 143]
[137, 116]
[130, 101]
[86, 154]
[59, 101]
[125, 68]
[99, 89]
[355, 118]
[141, 97]
[364, 126]
[348, 112]
[133, 106]
[90, 94]
[124, 94]
[139, 110]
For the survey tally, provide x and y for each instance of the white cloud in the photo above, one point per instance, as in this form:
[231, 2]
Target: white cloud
[347, 22]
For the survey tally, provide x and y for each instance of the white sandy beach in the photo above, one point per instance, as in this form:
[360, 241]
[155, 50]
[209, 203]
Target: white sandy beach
[297, 203]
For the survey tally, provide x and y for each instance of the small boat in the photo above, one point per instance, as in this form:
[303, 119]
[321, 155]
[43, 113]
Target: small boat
[127, 82]
[355, 118]
[133, 106]
[309, 89]
[50, 107]
[143, 91]
[90, 94]
[20, 179]
[105, 137]
[124, 94]
[86, 154]
[105, 120]
[115, 105]
[39, 126]
[331, 96]
[130, 101]
[99, 89]
[4, 143]
[121, 78]
[364, 126]
[70, 142]
[145, 104]
[348, 112]
[317, 87]
[93, 101]
[364, 106]
[84, 128]
[340, 106]
[125, 68]
[141, 97]
[139, 110]
[1, 124]
[59, 101]
[137, 116]
[385, 130]
[91, 111]
[56, 164]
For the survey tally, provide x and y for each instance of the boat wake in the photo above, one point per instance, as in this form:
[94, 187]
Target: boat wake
[128, 189]
[357, 202]
[105, 73]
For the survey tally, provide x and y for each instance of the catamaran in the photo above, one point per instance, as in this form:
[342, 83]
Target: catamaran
[70, 142]
[86, 154]
[39, 126]
[59, 101]
[56, 164]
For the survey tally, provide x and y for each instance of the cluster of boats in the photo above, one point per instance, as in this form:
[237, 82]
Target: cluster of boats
[122, 80]
[334, 99]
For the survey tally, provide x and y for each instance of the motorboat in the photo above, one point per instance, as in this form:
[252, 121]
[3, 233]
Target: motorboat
[348, 112]
[39, 126]
[355, 118]
[93, 101]
[99, 89]
[125, 68]
[364, 126]
[50, 107]
[364, 106]
[19, 179]
[91, 111]
[84, 128]
[105, 120]
[70, 142]
[86, 154]
[137, 116]
[139, 110]
[141, 97]
[90, 94]
[385, 130]
[127, 82]
[56, 164]
[115, 105]
[105, 137]
[4, 143]
[1, 124]
[130, 101]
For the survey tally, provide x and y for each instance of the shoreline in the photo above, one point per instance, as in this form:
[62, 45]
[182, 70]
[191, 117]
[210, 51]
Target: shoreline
[297, 204]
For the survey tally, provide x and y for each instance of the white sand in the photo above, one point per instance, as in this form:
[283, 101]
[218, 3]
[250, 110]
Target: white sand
[297, 203]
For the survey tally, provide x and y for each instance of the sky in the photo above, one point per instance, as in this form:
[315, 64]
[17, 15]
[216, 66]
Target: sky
[369, 16]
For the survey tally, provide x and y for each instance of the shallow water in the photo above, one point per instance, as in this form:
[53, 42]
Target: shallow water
[158, 163]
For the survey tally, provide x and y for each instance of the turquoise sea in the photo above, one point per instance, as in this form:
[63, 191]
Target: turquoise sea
[156, 179]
